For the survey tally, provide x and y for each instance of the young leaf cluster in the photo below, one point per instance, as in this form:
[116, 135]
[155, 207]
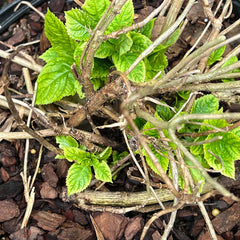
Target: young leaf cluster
[68, 42]
[218, 155]
[80, 173]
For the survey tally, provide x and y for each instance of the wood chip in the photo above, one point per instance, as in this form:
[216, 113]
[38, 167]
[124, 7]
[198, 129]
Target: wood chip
[48, 221]
[8, 210]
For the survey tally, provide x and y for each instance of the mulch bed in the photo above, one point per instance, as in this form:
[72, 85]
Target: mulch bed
[53, 218]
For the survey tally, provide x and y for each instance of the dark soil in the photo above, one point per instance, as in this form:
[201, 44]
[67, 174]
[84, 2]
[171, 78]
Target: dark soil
[53, 218]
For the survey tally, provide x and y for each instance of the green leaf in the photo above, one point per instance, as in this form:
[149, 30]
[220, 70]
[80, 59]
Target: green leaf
[101, 68]
[57, 34]
[124, 43]
[158, 61]
[78, 178]
[102, 171]
[78, 88]
[220, 123]
[79, 24]
[227, 149]
[116, 156]
[78, 53]
[216, 55]
[162, 160]
[104, 155]
[66, 141]
[205, 104]
[196, 174]
[197, 149]
[236, 131]
[147, 28]
[140, 42]
[124, 19]
[164, 112]
[55, 81]
[96, 8]
[106, 49]
[78, 155]
[98, 82]
[174, 37]
[123, 62]
[150, 130]
[230, 61]
[49, 55]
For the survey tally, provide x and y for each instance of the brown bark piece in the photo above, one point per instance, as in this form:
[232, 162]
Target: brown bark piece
[226, 220]
[62, 168]
[8, 210]
[48, 192]
[134, 226]
[10, 189]
[80, 218]
[111, 225]
[34, 233]
[49, 175]
[156, 235]
[48, 221]
[4, 174]
[18, 37]
[73, 231]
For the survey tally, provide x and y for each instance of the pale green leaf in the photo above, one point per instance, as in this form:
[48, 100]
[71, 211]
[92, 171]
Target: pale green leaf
[227, 149]
[123, 62]
[66, 141]
[78, 88]
[140, 42]
[78, 178]
[219, 123]
[49, 55]
[196, 174]
[124, 43]
[158, 61]
[173, 38]
[123, 19]
[78, 155]
[78, 53]
[106, 49]
[57, 34]
[236, 131]
[55, 81]
[79, 24]
[216, 55]
[197, 149]
[102, 171]
[205, 104]
[104, 155]
[230, 61]
[149, 129]
[163, 161]
[96, 8]
[147, 28]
